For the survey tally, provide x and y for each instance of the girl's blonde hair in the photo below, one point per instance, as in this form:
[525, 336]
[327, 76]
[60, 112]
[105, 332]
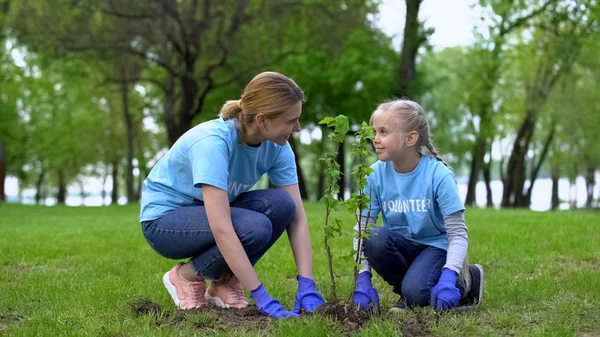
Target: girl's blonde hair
[269, 93]
[413, 118]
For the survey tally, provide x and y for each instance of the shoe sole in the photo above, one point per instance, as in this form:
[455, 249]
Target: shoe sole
[476, 305]
[171, 289]
[397, 310]
[216, 301]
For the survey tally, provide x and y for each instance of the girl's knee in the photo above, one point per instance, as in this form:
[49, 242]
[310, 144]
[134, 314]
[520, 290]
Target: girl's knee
[376, 244]
[415, 293]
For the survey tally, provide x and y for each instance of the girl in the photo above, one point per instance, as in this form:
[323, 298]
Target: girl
[421, 248]
[196, 203]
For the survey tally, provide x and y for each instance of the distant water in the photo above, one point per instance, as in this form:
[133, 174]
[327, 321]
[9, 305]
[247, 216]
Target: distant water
[540, 200]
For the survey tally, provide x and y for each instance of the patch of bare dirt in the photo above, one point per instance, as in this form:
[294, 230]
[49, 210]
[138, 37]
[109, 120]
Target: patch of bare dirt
[225, 319]
[7, 319]
[348, 315]
[414, 327]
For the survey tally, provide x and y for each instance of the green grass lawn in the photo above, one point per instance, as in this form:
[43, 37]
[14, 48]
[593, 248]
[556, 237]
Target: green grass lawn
[80, 271]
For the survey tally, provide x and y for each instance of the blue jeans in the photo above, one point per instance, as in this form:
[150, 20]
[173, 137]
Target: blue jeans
[411, 268]
[259, 218]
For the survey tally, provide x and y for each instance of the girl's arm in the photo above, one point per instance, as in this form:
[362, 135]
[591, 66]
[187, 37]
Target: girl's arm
[363, 227]
[458, 240]
[219, 220]
[299, 235]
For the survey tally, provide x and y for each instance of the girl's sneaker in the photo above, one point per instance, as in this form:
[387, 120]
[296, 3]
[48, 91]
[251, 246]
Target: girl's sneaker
[227, 292]
[473, 298]
[399, 307]
[185, 294]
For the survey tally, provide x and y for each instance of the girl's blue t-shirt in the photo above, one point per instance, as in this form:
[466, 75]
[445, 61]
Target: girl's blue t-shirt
[210, 153]
[414, 204]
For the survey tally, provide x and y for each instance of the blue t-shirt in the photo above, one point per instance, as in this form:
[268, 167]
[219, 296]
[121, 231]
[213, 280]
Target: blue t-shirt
[210, 153]
[414, 204]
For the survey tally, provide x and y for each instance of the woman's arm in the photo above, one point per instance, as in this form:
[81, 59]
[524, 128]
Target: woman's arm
[219, 220]
[299, 235]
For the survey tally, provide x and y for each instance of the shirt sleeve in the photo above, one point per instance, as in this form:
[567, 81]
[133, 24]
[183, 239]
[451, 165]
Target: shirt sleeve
[447, 195]
[371, 190]
[362, 226]
[458, 241]
[209, 160]
[283, 172]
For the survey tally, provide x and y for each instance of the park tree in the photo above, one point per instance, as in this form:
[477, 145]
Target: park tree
[557, 40]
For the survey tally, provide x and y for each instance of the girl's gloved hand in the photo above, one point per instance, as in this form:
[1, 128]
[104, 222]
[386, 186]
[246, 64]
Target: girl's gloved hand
[365, 294]
[269, 306]
[445, 295]
[308, 298]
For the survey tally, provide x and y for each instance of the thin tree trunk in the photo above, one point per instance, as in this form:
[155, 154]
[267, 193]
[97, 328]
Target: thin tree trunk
[301, 182]
[341, 155]
[114, 195]
[104, 179]
[478, 155]
[590, 181]
[538, 166]
[38, 185]
[321, 165]
[555, 178]
[2, 171]
[62, 188]
[81, 191]
[487, 178]
[131, 197]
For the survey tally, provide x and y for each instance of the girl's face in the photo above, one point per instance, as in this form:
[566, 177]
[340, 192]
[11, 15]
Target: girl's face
[390, 139]
[281, 128]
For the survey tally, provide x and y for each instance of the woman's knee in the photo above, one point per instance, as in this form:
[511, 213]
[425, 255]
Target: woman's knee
[257, 232]
[283, 204]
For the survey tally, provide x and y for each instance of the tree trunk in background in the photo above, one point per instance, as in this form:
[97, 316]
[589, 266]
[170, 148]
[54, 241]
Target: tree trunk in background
[114, 195]
[537, 167]
[62, 188]
[590, 181]
[301, 182]
[477, 155]
[412, 41]
[38, 185]
[555, 176]
[131, 195]
[2, 171]
[487, 177]
[515, 170]
[341, 155]
[104, 179]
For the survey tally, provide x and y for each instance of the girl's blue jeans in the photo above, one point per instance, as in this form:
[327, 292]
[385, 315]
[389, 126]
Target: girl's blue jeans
[259, 218]
[411, 268]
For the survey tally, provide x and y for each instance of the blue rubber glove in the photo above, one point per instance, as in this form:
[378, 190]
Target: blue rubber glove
[445, 295]
[269, 306]
[308, 298]
[365, 294]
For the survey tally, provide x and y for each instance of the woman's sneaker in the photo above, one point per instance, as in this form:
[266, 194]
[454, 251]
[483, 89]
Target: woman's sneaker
[185, 294]
[473, 298]
[227, 292]
[399, 307]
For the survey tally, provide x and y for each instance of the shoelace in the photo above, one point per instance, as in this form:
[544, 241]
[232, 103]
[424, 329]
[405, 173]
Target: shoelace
[237, 291]
[197, 289]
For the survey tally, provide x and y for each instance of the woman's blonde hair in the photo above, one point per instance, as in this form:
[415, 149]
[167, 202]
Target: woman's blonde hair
[269, 93]
[413, 118]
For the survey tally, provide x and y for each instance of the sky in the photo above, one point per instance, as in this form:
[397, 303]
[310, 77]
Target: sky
[453, 20]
